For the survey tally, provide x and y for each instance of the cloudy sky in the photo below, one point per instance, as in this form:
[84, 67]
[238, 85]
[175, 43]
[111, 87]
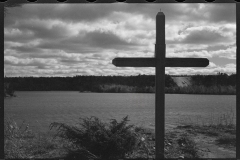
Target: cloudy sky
[82, 39]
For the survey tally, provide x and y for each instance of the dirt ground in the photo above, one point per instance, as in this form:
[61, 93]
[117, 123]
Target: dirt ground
[206, 145]
[178, 144]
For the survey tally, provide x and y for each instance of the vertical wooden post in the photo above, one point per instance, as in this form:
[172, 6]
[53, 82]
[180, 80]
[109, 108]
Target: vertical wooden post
[160, 85]
[160, 62]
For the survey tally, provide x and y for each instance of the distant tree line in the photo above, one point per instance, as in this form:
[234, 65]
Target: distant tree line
[221, 79]
[81, 83]
[210, 84]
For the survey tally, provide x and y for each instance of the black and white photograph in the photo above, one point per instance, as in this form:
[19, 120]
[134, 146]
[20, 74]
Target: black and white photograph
[119, 80]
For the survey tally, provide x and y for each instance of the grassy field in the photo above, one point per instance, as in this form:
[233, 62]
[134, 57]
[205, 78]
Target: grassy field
[22, 143]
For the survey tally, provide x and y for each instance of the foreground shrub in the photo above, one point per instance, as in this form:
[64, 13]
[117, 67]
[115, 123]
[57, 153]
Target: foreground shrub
[97, 139]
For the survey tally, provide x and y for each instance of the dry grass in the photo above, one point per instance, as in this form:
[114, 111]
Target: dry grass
[221, 127]
[227, 139]
[22, 143]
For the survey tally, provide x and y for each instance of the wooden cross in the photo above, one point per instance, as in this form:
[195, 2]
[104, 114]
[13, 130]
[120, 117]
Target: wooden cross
[160, 62]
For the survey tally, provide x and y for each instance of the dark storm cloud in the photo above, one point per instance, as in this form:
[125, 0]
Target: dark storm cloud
[65, 12]
[212, 13]
[69, 47]
[34, 52]
[189, 12]
[65, 35]
[91, 12]
[90, 42]
[25, 49]
[222, 12]
[203, 37]
[59, 44]
[105, 40]
[41, 29]
[16, 35]
[69, 61]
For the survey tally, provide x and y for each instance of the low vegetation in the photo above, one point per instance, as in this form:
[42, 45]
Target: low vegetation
[8, 90]
[114, 88]
[219, 90]
[21, 142]
[222, 128]
[92, 139]
[223, 135]
[227, 139]
[201, 89]
[96, 139]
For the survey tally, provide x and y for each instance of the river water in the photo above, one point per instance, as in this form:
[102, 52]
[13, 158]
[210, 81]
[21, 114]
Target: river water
[40, 108]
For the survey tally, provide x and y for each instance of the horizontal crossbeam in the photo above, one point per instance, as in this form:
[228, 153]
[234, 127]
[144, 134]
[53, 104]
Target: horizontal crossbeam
[169, 62]
[134, 62]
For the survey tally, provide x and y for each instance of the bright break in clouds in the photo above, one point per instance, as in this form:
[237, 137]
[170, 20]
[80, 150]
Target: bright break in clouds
[82, 39]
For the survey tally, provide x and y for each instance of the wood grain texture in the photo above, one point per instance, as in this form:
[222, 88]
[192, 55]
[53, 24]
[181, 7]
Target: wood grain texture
[160, 52]
[159, 61]
[169, 62]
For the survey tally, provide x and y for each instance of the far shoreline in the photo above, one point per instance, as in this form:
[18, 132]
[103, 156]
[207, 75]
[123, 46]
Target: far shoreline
[121, 92]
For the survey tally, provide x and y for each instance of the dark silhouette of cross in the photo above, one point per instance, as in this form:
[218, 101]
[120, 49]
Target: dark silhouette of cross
[160, 62]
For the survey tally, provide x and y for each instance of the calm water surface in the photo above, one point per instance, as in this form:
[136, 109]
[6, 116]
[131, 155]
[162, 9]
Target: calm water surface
[39, 109]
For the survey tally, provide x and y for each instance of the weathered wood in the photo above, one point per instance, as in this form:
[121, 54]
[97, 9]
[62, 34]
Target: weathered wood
[186, 62]
[134, 62]
[169, 62]
[160, 51]
[160, 62]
